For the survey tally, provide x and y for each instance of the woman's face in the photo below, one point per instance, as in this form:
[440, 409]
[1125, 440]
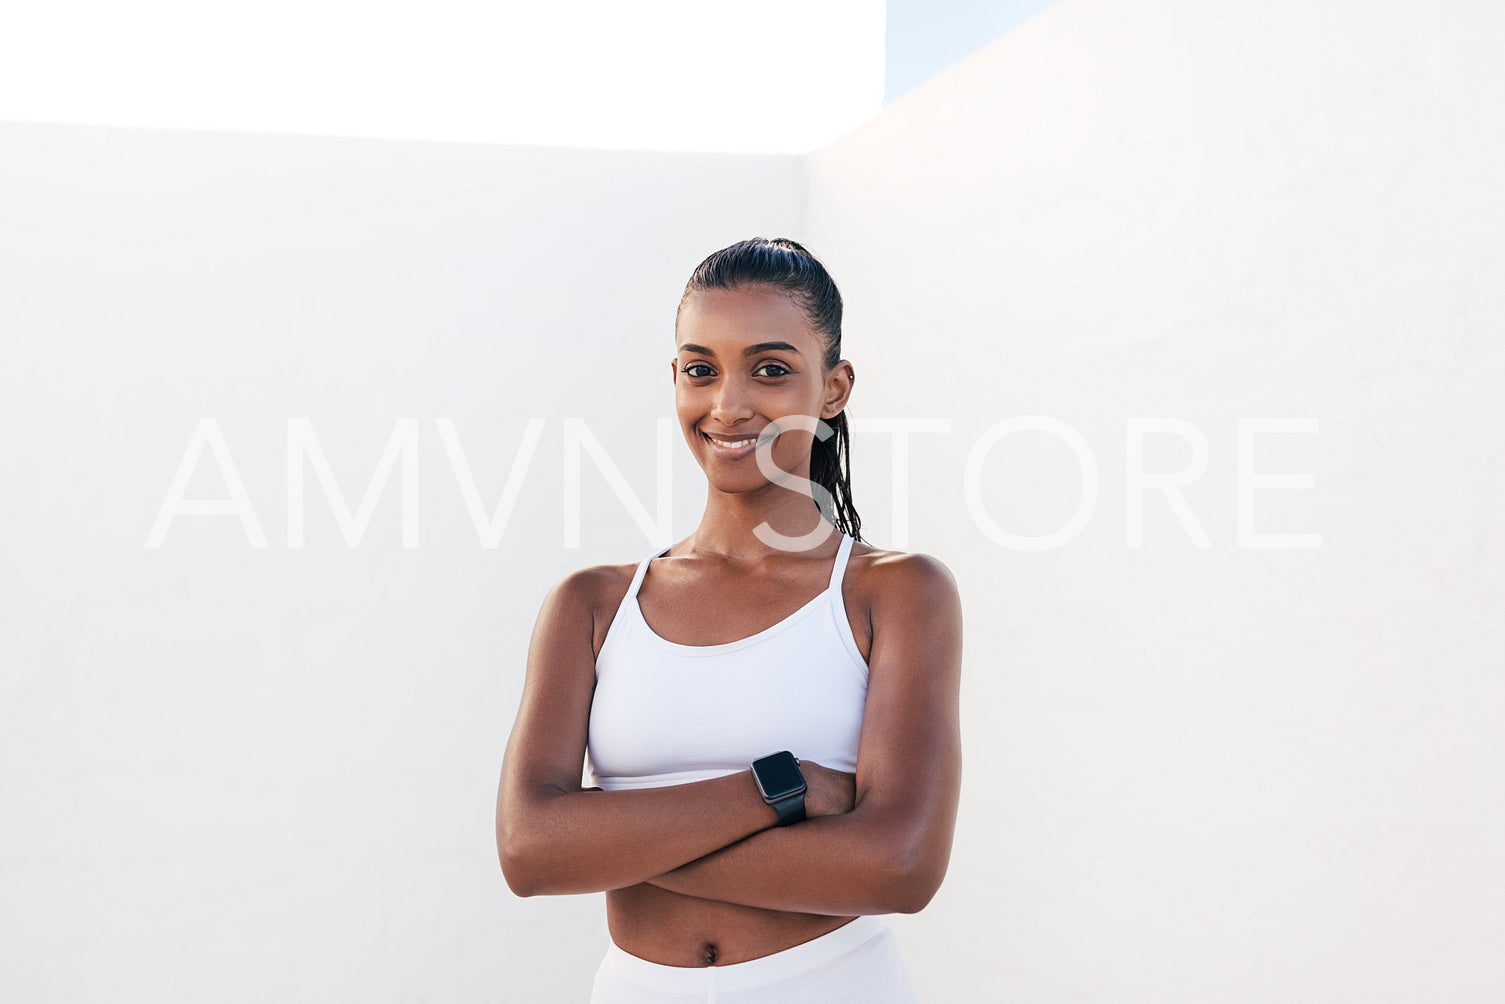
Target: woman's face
[747, 358]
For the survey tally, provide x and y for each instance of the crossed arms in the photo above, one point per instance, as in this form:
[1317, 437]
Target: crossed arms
[878, 843]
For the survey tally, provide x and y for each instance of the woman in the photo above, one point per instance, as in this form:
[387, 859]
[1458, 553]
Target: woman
[769, 708]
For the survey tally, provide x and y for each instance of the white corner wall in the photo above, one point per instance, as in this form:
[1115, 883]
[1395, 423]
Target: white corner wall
[242, 774]
[1213, 773]
[1224, 773]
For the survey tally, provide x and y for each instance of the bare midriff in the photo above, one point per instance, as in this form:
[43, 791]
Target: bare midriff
[674, 930]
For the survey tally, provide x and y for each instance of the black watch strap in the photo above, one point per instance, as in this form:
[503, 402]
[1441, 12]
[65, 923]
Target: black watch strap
[791, 809]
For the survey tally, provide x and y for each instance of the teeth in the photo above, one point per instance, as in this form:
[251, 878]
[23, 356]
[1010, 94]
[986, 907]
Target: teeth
[729, 444]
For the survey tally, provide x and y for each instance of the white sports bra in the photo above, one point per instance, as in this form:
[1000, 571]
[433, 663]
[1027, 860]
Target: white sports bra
[666, 713]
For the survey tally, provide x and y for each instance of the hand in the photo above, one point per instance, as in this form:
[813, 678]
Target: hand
[828, 792]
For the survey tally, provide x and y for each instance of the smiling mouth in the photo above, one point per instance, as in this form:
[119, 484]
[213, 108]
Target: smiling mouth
[731, 444]
[734, 449]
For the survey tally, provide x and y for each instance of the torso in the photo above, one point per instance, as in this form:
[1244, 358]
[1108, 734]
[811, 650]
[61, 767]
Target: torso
[663, 926]
[675, 930]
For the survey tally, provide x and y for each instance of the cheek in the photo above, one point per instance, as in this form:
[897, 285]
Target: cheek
[791, 447]
[690, 409]
[792, 400]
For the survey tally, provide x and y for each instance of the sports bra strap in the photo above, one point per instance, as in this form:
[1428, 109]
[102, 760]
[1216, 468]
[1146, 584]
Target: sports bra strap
[637, 577]
[838, 569]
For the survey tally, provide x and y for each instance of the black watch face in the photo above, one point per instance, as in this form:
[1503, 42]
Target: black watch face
[779, 776]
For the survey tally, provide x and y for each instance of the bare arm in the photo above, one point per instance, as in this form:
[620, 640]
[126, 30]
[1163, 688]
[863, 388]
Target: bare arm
[889, 854]
[555, 837]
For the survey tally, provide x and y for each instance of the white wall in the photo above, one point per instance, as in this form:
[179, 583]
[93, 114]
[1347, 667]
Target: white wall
[235, 774]
[1220, 774]
[646, 75]
[1224, 774]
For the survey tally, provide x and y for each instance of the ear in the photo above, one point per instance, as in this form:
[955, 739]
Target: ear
[838, 389]
[673, 371]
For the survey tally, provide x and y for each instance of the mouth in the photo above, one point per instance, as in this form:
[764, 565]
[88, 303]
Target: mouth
[732, 447]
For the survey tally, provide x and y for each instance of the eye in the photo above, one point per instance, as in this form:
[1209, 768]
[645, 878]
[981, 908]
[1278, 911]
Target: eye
[696, 366]
[781, 369]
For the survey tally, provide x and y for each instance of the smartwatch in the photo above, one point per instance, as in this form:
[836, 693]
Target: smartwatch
[782, 785]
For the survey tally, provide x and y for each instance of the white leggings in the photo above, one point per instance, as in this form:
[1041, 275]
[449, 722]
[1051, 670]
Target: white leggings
[858, 963]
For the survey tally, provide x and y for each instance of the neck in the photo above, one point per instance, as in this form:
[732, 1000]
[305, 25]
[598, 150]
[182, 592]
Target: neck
[730, 526]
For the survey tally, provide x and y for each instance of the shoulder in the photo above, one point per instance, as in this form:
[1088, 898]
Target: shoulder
[915, 616]
[899, 595]
[588, 598]
[589, 585]
[898, 578]
[912, 600]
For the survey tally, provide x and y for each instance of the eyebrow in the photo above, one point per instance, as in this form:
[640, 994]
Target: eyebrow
[751, 350]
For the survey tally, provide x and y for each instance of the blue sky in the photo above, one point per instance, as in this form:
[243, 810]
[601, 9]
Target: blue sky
[923, 38]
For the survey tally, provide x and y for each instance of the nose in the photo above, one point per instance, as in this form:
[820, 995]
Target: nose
[732, 403]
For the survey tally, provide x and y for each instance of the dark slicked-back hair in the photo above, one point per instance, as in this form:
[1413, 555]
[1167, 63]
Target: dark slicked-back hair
[785, 265]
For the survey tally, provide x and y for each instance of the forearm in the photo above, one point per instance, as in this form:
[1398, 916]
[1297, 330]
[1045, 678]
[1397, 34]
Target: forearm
[852, 864]
[553, 841]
